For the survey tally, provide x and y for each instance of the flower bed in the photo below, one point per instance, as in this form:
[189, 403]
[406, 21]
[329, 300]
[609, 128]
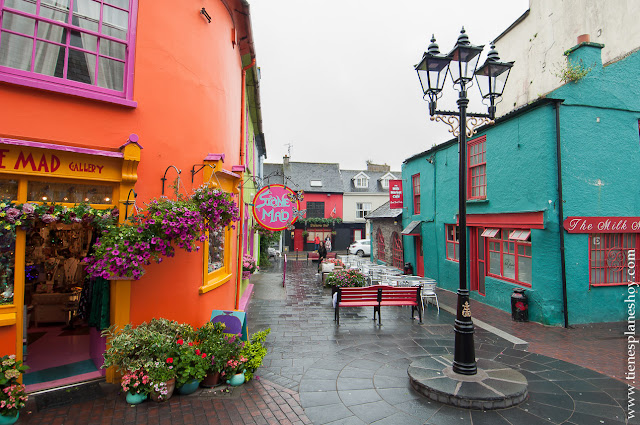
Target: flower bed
[346, 279]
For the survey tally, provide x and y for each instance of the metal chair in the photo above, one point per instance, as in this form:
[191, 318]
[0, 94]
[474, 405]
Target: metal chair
[429, 292]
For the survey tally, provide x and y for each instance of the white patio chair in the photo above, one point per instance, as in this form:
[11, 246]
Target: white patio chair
[429, 292]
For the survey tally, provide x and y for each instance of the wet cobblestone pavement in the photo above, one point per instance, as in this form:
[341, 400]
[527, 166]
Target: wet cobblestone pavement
[316, 372]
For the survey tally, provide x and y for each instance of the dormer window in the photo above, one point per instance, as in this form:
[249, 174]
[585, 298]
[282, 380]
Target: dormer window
[361, 181]
[384, 180]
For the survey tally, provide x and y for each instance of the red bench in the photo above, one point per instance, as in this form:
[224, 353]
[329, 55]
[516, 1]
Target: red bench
[377, 296]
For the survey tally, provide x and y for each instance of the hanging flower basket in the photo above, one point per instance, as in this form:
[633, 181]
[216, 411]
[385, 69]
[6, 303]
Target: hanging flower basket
[246, 275]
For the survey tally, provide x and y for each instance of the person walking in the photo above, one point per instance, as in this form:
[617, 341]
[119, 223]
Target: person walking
[322, 254]
[316, 243]
[327, 244]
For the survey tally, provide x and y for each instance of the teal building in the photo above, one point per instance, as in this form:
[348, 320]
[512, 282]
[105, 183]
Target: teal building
[553, 200]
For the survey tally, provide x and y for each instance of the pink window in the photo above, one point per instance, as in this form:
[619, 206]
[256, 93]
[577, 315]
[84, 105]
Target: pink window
[610, 255]
[453, 244]
[81, 47]
[415, 183]
[477, 169]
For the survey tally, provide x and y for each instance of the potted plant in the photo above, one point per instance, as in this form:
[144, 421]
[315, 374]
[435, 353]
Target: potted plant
[254, 351]
[345, 279]
[137, 385]
[12, 395]
[162, 377]
[234, 370]
[191, 366]
[248, 266]
[210, 338]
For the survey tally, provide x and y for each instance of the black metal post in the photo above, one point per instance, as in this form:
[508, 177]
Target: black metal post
[464, 358]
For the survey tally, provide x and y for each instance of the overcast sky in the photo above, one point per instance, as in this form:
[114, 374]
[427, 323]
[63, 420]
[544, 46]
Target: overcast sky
[337, 77]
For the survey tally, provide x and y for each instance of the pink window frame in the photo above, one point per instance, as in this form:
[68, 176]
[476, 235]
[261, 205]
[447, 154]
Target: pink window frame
[415, 184]
[451, 256]
[397, 253]
[45, 82]
[504, 237]
[607, 241]
[482, 166]
[380, 245]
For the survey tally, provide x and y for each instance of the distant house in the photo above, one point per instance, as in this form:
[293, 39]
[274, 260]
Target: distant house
[364, 191]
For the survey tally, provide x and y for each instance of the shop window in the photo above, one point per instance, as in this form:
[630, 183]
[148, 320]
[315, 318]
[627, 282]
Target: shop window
[362, 209]
[398, 259]
[8, 190]
[477, 172]
[609, 257]
[216, 250]
[510, 256]
[40, 191]
[315, 209]
[380, 245]
[7, 265]
[84, 49]
[453, 242]
[415, 184]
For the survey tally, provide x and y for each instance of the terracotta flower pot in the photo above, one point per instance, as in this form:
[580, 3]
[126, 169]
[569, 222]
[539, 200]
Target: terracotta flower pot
[211, 380]
[156, 396]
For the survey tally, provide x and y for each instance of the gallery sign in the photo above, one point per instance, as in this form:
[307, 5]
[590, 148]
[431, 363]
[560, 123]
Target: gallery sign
[602, 224]
[395, 194]
[274, 207]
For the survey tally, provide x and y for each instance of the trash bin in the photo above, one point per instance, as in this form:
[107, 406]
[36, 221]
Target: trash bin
[519, 306]
[408, 269]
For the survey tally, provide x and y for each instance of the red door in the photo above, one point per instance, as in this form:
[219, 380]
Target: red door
[477, 259]
[419, 257]
[298, 243]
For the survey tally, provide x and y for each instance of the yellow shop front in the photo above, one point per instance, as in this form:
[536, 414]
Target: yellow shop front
[50, 314]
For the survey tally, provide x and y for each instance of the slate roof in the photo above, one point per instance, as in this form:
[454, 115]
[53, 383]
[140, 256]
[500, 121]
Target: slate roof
[383, 211]
[374, 181]
[300, 174]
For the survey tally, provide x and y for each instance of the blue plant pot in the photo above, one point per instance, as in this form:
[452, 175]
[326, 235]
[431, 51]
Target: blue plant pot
[236, 380]
[7, 420]
[189, 387]
[133, 398]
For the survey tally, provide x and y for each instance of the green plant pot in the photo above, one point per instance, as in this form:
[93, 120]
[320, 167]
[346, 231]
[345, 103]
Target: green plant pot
[6, 420]
[134, 398]
[236, 380]
[189, 387]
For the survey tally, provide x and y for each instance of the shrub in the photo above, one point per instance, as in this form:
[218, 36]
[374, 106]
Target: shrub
[346, 279]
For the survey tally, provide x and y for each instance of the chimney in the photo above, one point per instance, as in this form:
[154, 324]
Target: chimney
[285, 160]
[586, 53]
[378, 167]
[584, 38]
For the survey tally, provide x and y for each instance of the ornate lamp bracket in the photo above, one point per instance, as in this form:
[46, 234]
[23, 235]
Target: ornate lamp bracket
[454, 123]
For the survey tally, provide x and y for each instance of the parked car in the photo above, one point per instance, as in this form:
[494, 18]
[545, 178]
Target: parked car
[273, 252]
[361, 247]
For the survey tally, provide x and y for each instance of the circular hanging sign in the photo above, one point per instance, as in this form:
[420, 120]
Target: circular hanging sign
[273, 207]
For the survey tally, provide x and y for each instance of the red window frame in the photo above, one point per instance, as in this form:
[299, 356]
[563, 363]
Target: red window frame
[452, 245]
[415, 184]
[609, 258]
[397, 252]
[477, 168]
[518, 250]
[380, 245]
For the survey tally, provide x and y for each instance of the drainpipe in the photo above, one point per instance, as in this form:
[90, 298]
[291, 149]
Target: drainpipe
[561, 216]
[241, 194]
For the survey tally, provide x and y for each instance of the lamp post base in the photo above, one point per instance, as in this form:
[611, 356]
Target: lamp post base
[464, 359]
[494, 386]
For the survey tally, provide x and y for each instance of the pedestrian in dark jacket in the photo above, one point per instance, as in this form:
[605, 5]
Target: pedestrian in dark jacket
[322, 254]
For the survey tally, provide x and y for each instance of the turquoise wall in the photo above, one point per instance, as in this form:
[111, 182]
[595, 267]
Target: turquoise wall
[600, 159]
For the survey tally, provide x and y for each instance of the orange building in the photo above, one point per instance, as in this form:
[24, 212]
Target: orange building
[102, 99]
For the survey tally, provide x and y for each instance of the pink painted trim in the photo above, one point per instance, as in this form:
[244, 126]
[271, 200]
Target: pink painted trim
[65, 381]
[215, 157]
[229, 173]
[246, 296]
[239, 168]
[55, 147]
[133, 138]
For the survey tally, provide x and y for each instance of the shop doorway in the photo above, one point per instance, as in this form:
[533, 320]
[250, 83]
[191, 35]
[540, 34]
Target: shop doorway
[477, 259]
[58, 338]
[419, 257]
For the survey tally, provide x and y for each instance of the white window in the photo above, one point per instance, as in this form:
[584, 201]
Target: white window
[385, 183]
[361, 182]
[362, 209]
[316, 183]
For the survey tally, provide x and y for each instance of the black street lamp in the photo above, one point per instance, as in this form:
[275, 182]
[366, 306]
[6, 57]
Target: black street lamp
[461, 64]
